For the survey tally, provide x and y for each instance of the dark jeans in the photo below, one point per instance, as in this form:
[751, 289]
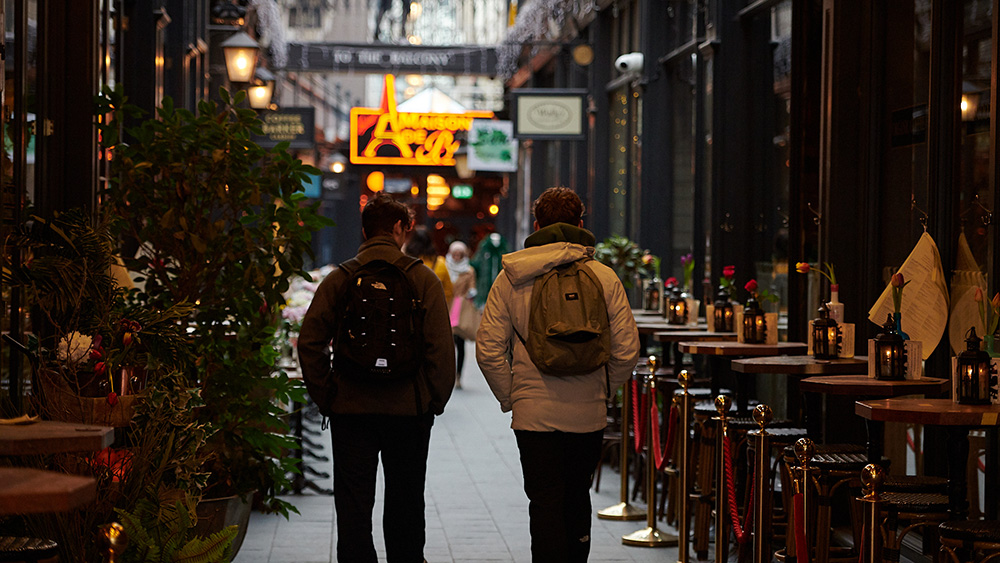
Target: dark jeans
[557, 468]
[459, 355]
[357, 442]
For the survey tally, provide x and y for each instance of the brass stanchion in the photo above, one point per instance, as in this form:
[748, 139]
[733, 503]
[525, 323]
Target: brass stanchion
[623, 510]
[722, 405]
[650, 536]
[683, 519]
[113, 541]
[762, 498]
[804, 449]
[871, 541]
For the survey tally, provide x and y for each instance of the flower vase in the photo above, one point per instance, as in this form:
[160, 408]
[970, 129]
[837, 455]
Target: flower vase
[991, 341]
[897, 318]
[835, 306]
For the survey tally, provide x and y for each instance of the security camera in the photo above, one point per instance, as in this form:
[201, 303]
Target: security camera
[629, 62]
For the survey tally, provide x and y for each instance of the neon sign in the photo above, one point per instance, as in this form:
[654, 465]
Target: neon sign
[384, 135]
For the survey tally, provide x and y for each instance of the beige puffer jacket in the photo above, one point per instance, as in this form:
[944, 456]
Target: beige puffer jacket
[540, 402]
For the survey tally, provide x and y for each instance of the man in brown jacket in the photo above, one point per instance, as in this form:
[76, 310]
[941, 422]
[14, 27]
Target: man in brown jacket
[369, 417]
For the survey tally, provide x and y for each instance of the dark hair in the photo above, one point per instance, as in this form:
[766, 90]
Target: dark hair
[558, 205]
[381, 214]
[420, 244]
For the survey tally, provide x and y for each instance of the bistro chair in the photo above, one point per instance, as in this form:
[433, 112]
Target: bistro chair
[31, 550]
[969, 541]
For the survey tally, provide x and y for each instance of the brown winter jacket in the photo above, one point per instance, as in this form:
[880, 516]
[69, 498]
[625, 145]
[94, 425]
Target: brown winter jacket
[337, 393]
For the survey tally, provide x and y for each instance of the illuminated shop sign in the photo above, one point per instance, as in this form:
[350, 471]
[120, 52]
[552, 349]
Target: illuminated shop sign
[384, 135]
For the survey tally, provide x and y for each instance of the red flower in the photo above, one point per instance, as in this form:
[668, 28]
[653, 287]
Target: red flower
[751, 286]
[95, 353]
[99, 368]
[126, 339]
[729, 271]
[897, 281]
[112, 398]
[670, 281]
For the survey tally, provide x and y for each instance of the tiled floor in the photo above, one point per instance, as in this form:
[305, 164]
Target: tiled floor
[476, 508]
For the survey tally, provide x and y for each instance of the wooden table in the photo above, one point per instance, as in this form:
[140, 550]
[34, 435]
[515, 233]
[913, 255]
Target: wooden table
[36, 491]
[862, 385]
[809, 409]
[51, 437]
[802, 365]
[958, 420]
[674, 337]
[718, 350]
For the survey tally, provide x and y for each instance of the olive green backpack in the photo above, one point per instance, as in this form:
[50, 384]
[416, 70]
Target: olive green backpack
[568, 329]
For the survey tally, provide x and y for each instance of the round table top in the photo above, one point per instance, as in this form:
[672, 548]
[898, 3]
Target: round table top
[36, 491]
[802, 365]
[862, 385]
[51, 437]
[940, 412]
[722, 348]
[693, 336]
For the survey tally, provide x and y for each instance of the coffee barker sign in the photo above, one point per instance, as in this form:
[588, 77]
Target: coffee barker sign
[384, 135]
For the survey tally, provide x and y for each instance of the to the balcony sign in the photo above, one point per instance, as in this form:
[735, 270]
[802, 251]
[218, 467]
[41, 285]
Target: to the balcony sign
[384, 135]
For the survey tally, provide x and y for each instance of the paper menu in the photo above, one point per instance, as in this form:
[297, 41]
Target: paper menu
[925, 299]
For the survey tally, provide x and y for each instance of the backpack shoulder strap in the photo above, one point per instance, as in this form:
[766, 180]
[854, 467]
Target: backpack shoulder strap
[405, 262]
[350, 266]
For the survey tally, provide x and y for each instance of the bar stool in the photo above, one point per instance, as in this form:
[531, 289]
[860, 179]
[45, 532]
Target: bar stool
[837, 467]
[912, 511]
[32, 550]
[977, 540]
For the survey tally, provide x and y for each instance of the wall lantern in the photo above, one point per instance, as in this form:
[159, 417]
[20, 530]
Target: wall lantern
[723, 314]
[338, 163]
[241, 56]
[825, 336]
[890, 352]
[754, 323]
[973, 373]
[260, 93]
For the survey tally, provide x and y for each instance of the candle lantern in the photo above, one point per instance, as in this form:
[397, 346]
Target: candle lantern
[973, 373]
[723, 313]
[825, 336]
[890, 351]
[754, 323]
[651, 295]
[677, 309]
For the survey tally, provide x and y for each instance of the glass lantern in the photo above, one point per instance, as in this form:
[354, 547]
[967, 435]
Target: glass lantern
[677, 309]
[973, 373]
[825, 336]
[651, 295]
[890, 353]
[723, 314]
[754, 323]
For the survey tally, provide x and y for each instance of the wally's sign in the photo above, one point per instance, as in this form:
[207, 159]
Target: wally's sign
[384, 135]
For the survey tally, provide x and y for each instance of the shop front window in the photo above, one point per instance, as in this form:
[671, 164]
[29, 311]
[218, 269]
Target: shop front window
[975, 192]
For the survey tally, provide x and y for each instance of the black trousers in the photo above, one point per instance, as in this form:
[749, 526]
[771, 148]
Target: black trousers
[459, 355]
[558, 468]
[402, 442]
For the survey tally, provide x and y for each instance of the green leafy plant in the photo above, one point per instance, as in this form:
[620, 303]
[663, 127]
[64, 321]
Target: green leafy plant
[624, 257]
[989, 313]
[221, 223]
[159, 531]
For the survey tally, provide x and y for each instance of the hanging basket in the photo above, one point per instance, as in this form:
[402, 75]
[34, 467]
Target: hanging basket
[60, 402]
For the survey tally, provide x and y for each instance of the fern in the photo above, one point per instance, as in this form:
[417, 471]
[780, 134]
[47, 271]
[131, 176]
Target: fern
[208, 550]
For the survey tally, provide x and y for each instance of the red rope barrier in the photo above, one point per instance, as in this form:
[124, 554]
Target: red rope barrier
[638, 417]
[801, 547]
[741, 532]
[660, 456]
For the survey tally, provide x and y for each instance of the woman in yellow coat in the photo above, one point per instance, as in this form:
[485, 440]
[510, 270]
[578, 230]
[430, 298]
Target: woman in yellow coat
[421, 246]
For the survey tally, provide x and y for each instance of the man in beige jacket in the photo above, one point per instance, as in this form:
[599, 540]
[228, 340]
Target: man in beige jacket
[558, 421]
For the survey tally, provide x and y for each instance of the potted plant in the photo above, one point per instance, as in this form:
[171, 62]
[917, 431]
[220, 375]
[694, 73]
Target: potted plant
[101, 356]
[220, 223]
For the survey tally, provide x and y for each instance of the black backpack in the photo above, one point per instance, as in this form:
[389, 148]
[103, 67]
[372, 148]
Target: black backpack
[381, 330]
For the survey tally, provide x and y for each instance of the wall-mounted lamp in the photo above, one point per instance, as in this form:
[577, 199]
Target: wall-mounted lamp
[241, 56]
[260, 93]
[338, 163]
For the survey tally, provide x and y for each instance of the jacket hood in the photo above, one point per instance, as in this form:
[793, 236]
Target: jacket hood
[547, 248]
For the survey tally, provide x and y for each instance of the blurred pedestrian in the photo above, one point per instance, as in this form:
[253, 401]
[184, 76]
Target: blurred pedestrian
[420, 245]
[463, 280]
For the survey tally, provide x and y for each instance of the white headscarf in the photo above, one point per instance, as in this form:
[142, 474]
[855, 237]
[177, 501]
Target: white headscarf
[457, 267]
